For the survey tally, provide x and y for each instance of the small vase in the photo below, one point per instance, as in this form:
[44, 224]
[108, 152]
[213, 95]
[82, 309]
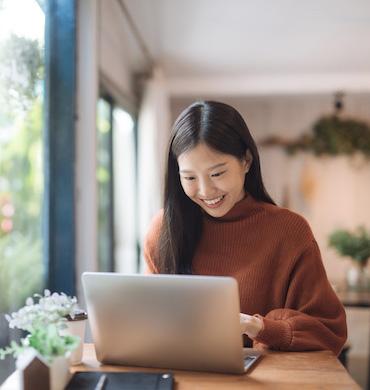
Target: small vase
[358, 278]
[76, 327]
[43, 372]
[59, 372]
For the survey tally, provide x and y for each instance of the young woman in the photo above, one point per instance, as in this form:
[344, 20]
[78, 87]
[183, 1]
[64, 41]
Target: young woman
[218, 219]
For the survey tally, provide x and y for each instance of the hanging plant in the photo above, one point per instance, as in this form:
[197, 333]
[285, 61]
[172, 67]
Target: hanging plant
[334, 136]
[331, 135]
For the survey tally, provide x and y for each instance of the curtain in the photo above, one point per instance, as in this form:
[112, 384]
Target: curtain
[153, 132]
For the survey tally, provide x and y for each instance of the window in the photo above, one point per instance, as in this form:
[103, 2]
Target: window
[116, 176]
[21, 156]
[105, 185]
[37, 87]
[126, 250]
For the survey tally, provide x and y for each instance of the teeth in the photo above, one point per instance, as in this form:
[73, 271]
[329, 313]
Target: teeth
[213, 201]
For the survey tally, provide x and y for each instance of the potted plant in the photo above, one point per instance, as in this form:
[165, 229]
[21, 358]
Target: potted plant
[355, 245]
[44, 322]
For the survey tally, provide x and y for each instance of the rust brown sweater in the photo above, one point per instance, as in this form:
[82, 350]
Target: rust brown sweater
[273, 255]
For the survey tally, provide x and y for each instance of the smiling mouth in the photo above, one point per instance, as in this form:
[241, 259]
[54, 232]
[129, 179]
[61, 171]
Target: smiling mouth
[214, 201]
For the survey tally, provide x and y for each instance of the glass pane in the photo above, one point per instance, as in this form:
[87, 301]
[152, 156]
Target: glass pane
[22, 25]
[103, 175]
[124, 163]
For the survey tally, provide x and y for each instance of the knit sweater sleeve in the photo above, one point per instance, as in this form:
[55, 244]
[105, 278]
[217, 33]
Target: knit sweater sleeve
[313, 317]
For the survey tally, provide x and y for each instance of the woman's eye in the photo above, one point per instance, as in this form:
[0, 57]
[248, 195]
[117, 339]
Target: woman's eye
[218, 174]
[189, 178]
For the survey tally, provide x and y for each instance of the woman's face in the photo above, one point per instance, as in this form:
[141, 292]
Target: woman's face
[213, 180]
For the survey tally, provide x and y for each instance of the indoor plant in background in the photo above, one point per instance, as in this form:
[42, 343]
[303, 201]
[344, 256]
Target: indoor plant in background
[356, 245]
[44, 322]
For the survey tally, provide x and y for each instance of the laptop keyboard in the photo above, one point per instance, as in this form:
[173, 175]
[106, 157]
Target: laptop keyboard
[248, 361]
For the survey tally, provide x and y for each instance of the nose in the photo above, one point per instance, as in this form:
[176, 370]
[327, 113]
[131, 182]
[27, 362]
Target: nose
[206, 188]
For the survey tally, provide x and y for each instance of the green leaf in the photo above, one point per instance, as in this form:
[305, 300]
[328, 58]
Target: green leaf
[353, 244]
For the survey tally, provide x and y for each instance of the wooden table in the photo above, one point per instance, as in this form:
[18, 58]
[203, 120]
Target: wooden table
[357, 299]
[274, 370]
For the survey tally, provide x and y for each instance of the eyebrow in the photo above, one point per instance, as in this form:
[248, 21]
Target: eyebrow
[209, 169]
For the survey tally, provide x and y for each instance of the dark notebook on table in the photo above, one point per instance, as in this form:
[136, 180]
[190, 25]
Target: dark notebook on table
[87, 380]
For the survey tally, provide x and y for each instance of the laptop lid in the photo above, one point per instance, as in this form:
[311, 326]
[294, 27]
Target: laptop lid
[165, 321]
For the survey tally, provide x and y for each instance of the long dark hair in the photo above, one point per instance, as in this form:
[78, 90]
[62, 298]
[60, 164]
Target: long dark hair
[222, 128]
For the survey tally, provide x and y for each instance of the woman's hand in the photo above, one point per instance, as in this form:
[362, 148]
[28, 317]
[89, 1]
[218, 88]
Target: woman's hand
[251, 326]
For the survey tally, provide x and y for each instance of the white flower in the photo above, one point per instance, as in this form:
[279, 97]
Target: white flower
[50, 309]
[54, 317]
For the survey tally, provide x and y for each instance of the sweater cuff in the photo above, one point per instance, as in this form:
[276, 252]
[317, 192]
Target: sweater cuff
[276, 334]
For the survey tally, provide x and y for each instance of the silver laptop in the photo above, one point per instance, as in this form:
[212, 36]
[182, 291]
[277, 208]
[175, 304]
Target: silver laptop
[167, 321]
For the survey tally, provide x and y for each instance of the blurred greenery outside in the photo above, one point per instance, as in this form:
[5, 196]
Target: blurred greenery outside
[21, 169]
[103, 176]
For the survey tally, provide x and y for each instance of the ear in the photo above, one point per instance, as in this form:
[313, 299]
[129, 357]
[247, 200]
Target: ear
[248, 160]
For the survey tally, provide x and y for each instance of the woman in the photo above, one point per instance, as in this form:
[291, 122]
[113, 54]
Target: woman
[218, 219]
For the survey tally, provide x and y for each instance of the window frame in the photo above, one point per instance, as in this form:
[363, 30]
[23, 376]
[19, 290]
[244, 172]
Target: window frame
[59, 145]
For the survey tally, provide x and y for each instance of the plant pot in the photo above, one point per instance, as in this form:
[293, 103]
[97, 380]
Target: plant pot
[59, 372]
[358, 278]
[76, 327]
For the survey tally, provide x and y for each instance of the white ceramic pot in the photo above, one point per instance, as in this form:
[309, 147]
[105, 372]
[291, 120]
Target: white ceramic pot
[59, 372]
[76, 327]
